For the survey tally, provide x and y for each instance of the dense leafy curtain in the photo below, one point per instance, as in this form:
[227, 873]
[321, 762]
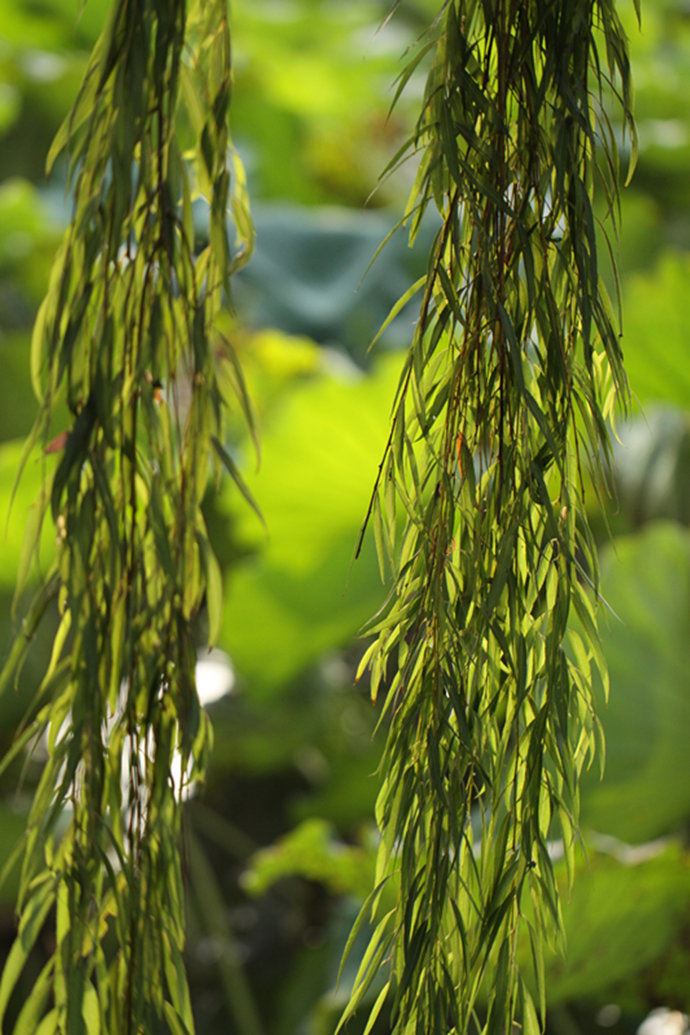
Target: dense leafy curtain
[131, 373]
[486, 652]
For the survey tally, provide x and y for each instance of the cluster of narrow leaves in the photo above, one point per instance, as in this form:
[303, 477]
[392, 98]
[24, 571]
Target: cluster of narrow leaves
[486, 651]
[126, 348]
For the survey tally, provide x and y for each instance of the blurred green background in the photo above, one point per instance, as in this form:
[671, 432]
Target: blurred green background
[279, 844]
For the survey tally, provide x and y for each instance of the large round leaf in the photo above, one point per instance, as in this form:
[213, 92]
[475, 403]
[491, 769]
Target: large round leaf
[618, 920]
[656, 335]
[646, 789]
[19, 511]
[304, 593]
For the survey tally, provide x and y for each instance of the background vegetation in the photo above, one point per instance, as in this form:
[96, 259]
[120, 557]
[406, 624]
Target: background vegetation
[279, 845]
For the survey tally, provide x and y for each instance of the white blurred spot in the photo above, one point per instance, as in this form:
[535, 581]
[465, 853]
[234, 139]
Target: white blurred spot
[43, 66]
[664, 1022]
[215, 677]
[609, 1015]
[667, 133]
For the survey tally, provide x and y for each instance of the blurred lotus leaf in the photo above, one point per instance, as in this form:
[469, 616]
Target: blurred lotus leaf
[646, 789]
[304, 594]
[321, 284]
[313, 851]
[609, 939]
[19, 513]
[656, 334]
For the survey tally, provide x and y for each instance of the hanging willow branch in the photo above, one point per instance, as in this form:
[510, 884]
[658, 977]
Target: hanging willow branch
[488, 646]
[125, 345]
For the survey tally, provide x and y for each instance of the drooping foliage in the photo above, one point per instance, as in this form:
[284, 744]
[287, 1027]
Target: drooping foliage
[486, 652]
[127, 353]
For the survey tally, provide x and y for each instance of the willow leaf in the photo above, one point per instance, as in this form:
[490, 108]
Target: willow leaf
[490, 722]
[126, 340]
